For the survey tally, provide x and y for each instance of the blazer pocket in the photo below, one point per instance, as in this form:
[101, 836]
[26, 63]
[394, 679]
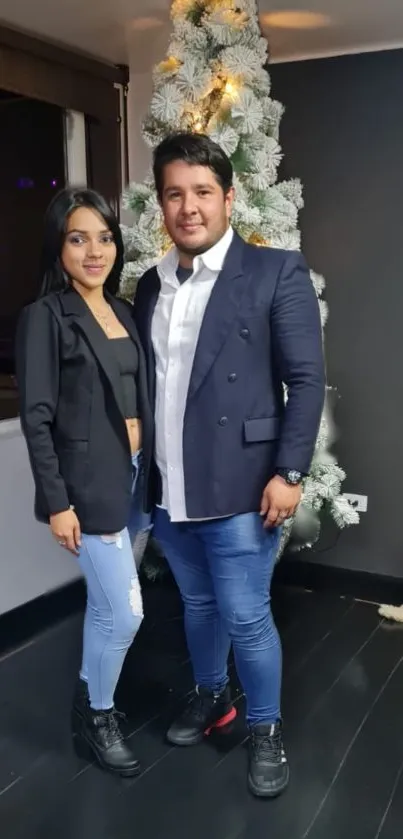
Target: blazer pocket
[74, 446]
[261, 429]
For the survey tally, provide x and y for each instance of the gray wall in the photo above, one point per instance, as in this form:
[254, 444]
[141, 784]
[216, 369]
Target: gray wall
[342, 134]
[31, 563]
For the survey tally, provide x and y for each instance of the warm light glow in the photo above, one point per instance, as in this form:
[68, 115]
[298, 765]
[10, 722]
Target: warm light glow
[169, 64]
[256, 239]
[230, 88]
[295, 20]
[197, 122]
[143, 24]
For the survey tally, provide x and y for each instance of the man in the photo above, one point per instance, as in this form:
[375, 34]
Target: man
[224, 325]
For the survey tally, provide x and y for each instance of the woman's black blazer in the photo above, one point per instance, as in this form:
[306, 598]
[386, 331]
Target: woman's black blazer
[72, 413]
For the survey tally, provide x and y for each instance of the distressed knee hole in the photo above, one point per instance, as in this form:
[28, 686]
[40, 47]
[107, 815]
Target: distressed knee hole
[135, 598]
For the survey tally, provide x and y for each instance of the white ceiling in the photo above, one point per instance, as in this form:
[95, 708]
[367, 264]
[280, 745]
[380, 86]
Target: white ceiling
[135, 31]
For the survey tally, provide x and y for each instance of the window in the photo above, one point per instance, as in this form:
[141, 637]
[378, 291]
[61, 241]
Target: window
[32, 169]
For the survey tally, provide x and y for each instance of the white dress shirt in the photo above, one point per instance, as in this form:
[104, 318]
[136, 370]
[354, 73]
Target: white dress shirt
[176, 323]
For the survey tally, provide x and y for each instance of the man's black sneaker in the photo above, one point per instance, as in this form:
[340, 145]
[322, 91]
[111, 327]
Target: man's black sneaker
[268, 768]
[206, 711]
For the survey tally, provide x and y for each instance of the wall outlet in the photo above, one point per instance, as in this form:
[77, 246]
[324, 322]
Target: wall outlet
[359, 502]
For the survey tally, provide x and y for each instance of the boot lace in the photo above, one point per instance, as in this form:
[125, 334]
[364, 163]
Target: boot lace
[268, 746]
[110, 727]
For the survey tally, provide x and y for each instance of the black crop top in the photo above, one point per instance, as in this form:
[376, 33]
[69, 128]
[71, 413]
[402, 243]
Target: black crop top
[127, 358]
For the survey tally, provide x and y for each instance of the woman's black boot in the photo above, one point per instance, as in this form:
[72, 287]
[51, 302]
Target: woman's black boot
[98, 735]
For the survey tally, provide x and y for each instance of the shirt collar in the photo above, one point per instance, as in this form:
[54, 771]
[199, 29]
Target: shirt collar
[213, 259]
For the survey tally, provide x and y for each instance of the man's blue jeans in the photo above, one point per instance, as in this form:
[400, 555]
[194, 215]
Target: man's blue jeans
[223, 569]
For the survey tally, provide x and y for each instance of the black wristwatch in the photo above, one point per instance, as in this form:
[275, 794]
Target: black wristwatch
[290, 476]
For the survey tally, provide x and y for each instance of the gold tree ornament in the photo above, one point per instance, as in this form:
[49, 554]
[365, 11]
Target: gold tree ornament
[169, 65]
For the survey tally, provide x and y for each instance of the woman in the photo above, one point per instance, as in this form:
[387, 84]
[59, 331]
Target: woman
[88, 424]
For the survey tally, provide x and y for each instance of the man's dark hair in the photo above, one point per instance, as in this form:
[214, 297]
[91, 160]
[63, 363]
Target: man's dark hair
[196, 150]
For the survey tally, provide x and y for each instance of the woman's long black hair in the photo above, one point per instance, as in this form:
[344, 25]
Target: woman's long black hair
[52, 275]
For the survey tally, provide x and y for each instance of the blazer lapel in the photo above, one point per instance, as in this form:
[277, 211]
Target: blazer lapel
[73, 305]
[221, 310]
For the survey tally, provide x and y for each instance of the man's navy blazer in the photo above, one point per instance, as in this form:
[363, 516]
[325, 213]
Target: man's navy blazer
[261, 328]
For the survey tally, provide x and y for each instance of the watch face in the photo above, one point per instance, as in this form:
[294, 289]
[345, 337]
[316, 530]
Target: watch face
[290, 476]
[293, 477]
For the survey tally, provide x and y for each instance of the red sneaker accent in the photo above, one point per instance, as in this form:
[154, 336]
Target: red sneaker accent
[222, 722]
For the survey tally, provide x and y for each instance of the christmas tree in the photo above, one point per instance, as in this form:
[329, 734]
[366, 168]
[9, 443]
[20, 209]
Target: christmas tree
[215, 81]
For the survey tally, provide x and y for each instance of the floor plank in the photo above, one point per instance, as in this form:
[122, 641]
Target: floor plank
[369, 766]
[342, 700]
[323, 705]
[390, 826]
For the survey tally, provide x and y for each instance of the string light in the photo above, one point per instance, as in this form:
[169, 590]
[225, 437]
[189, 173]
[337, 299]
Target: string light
[197, 122]
[230, 88]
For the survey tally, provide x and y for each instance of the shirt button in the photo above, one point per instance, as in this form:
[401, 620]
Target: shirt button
[223, 421]
[244, 333]
[232, 377]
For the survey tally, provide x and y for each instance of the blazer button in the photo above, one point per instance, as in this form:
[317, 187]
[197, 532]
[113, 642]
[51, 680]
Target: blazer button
[232, 377]
[244, 333]
[223, 421]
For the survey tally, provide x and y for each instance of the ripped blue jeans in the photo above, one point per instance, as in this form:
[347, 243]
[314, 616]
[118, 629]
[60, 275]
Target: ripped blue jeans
[114, 603]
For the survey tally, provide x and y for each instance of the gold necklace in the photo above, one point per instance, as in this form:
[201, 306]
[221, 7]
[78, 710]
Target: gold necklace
[103, 319]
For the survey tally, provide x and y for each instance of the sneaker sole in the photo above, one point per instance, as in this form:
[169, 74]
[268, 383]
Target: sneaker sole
[259, 793]
[224, 725]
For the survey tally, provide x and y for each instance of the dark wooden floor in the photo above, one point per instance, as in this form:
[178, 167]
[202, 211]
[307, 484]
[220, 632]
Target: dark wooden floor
[343, 712]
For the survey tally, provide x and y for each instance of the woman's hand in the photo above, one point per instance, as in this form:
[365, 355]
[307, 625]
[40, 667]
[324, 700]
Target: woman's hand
[66, 530]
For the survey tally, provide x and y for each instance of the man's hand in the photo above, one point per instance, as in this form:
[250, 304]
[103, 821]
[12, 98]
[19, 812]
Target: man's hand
[279, 501]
